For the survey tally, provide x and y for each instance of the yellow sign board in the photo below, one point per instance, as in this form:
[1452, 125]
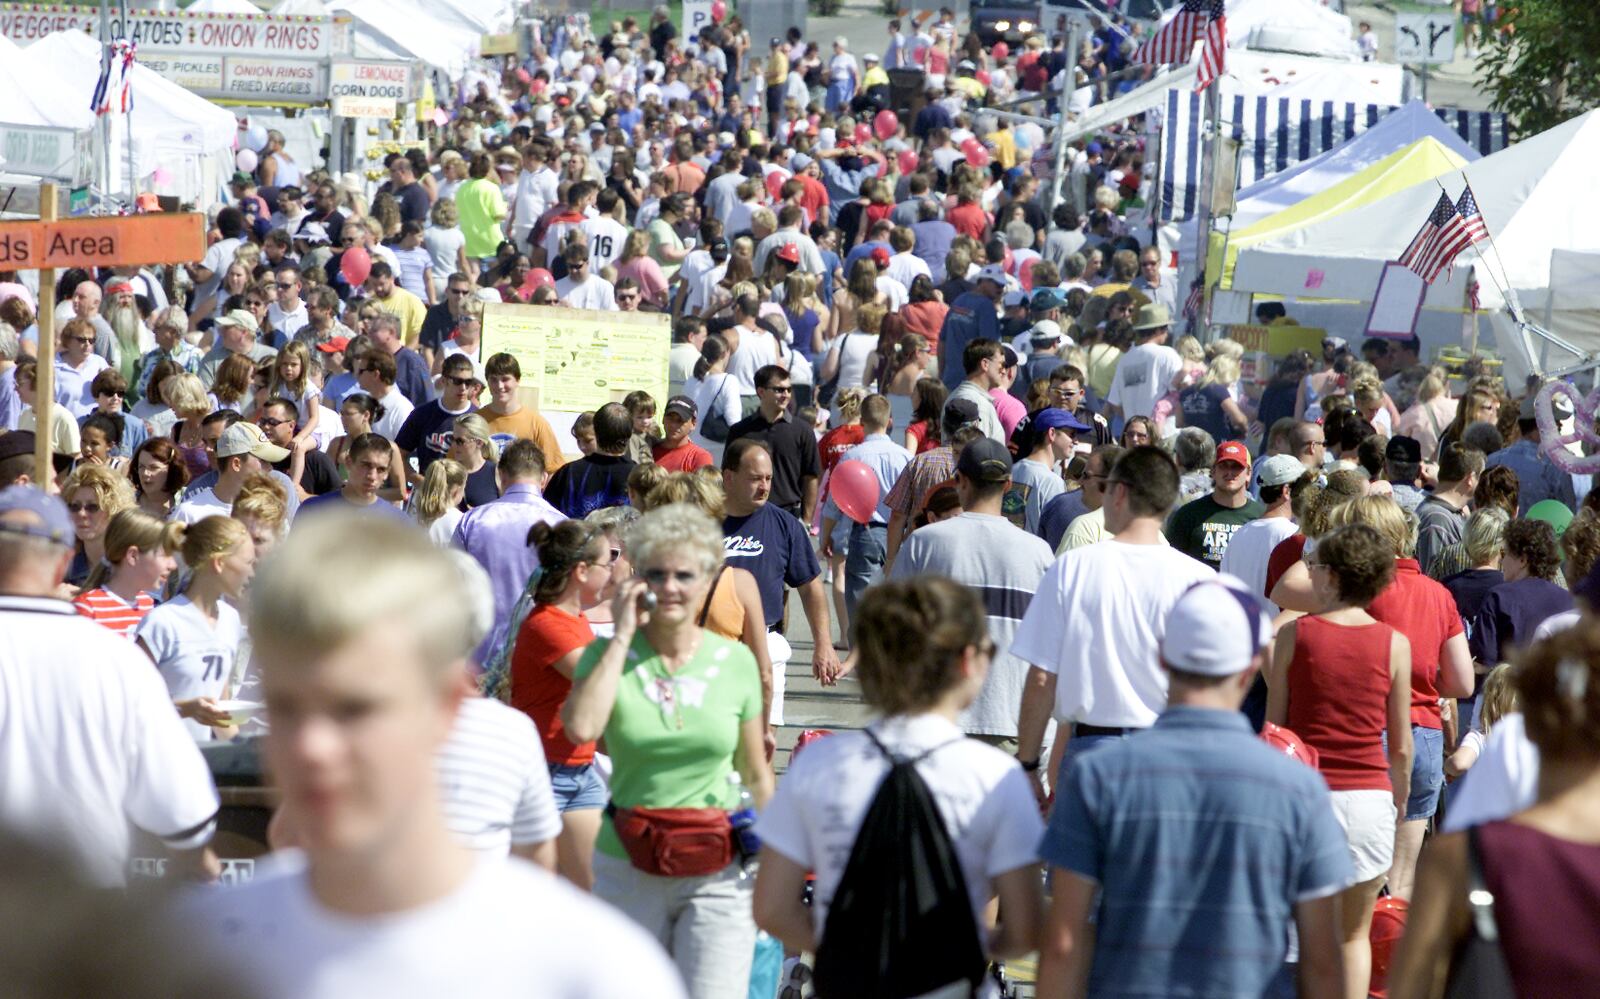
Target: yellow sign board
[498, 44]
[1280, 339]
[579, 359]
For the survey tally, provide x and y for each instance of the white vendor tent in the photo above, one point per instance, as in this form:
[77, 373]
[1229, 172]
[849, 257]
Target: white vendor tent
[301, 8]
[398, 29]
[188, 137]
[1304, 26]
[1252, 74]
[223, 7]
[1396, 130]
[1536, 196]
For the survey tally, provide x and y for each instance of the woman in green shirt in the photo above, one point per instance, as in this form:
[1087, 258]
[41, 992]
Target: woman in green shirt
[680, 710]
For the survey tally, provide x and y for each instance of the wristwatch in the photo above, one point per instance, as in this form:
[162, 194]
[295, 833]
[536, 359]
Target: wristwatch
[1028, 766]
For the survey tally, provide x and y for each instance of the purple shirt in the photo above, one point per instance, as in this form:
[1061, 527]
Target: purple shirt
[496, 534]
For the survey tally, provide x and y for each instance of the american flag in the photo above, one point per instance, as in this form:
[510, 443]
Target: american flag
[1195, 20]
[1450, 228]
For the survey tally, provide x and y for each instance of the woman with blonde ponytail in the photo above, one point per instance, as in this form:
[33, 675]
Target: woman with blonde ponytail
[194, 638]
[140, 553]
[436, 502]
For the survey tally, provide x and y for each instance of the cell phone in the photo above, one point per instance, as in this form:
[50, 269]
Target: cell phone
[647, 601]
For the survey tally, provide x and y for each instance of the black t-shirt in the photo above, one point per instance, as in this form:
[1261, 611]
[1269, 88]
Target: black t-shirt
[591, 483]
[774, 547]
[794, 455]
[1470, 588]
[319, 475]
[482, 487]
[414, 203]
[427, 432]
[660, 35]
[438, 325]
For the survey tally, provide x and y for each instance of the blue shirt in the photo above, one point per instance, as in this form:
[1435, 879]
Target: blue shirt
[411, 376]
[496, 534]
[971, 316]
[1537, 478]
[843, 185]
[1202, 839]
[887, 460]
[775, 547]
[336, 501]
[1058, 515]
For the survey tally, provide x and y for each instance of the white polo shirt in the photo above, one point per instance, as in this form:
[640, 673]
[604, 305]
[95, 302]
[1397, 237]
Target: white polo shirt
[89, 742]
[1097, 622]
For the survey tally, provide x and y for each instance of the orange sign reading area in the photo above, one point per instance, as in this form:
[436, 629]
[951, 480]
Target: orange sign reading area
[158, 238]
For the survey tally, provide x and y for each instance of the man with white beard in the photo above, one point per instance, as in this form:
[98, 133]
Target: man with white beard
[131, 337]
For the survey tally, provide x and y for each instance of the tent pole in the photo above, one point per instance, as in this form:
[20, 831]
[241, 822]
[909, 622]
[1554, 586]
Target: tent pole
[1213, 138]
[1060, 152]
[127, 123]
[104, 163]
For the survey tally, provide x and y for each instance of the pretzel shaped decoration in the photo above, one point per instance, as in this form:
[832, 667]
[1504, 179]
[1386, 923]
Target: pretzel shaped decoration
[1554, 443]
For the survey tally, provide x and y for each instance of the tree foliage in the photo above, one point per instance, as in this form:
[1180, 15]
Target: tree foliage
[1541, 61]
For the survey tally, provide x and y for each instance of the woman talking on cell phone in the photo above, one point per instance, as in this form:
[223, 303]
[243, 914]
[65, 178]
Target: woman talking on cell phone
[680, 710]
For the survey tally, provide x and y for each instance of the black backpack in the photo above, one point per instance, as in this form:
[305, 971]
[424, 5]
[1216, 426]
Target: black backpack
[901, 921]
[715, 427]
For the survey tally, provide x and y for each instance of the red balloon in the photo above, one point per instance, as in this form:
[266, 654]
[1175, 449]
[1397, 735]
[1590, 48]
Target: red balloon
[886, 123]
[538, 277]
[976, 155]
[908, 161]
[854, 488]
[355, 265]
[1001, 50]
[719, 10]
[863, 134]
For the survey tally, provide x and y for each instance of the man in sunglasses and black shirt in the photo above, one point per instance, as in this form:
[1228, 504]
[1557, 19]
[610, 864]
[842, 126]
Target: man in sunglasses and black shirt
[428, 430]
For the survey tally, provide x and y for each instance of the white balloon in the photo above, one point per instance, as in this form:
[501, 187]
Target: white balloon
[246, 160]
[255, 138]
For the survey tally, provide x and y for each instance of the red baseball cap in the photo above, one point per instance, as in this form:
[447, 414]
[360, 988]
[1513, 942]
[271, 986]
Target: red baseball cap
[880, 256]
[1233, 451]
[789, 253]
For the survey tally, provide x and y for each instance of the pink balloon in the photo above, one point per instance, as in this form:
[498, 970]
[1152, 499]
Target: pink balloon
[863, 134]
[538, 277]
[908, 161]
[976, 155]
[886, 123]
[1001, 50]
[719, 10]
[355, 265]
[854, 488]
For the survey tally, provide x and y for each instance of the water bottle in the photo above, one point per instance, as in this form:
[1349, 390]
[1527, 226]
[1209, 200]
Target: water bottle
[743, 821]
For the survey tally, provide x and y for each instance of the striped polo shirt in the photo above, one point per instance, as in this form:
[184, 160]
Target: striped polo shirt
[104, 607]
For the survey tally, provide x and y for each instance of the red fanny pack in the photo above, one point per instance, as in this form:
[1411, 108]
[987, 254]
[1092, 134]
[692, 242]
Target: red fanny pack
[674, 842]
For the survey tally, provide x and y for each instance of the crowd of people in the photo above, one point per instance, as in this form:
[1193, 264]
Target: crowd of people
[1199, 657]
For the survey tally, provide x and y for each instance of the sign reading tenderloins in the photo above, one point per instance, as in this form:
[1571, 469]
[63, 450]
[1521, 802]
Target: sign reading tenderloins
[158, 31]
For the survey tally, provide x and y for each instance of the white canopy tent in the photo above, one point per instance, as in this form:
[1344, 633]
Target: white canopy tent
[1303, 26]
[302, 8]
[186, 136]
[399, 29]
[1250, 74]
[1536, 197]
[224, 7]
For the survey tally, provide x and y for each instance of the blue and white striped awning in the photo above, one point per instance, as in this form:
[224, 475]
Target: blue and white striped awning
[1278, 132]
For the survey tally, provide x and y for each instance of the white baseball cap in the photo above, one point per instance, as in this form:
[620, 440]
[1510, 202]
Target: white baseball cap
[1216, 628]
[993, 272]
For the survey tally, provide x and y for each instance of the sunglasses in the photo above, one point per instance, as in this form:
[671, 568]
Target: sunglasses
[267, 423]
[460, 291]
[77, 339]
[84, 507]
[659, 577]
[466, 382]
[119, 393]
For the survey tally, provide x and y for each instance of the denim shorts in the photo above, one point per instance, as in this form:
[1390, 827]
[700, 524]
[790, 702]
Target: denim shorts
[577, 788]
[1427, 772]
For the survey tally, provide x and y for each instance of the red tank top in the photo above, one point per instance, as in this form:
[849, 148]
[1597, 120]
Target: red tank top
[1339, 700]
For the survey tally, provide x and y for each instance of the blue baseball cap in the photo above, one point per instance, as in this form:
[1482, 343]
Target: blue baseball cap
[54, 523]
[1045, 299]
[1052, 418]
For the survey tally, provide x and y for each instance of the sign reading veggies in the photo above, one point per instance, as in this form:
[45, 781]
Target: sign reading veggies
[578, 360]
